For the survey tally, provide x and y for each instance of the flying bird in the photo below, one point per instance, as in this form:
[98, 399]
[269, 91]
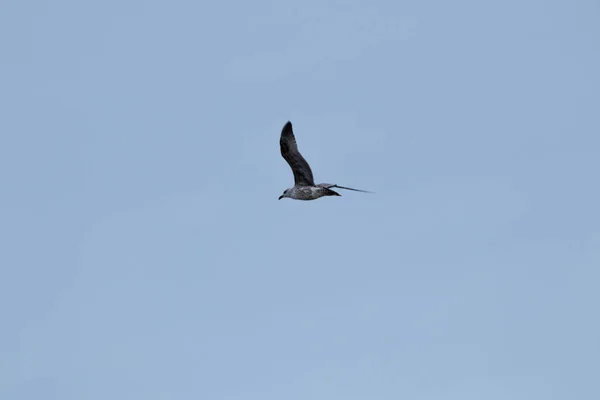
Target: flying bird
[304, 183]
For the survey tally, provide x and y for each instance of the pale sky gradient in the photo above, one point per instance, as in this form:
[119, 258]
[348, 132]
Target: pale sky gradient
[144, 253]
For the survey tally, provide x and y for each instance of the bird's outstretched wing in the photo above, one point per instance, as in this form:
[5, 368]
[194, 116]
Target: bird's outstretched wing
[331, 185]
[289, 150]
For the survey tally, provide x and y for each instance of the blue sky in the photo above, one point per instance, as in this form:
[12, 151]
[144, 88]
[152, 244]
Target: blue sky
[145, 253]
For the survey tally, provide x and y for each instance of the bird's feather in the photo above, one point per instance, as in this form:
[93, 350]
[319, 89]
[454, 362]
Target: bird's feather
[303, 175]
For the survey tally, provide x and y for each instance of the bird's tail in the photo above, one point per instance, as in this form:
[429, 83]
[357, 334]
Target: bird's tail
[329, 192]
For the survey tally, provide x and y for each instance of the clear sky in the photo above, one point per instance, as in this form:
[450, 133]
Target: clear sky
[144, 253]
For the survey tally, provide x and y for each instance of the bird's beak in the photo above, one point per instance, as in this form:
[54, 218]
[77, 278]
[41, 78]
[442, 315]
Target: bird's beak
[280, 197]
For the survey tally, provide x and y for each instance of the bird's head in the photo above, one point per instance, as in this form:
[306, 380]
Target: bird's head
[286, 193]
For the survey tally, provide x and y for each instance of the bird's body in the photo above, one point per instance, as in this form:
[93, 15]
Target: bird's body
[304, 185]
[309, 192]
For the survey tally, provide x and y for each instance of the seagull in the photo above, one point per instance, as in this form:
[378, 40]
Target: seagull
[304, 183]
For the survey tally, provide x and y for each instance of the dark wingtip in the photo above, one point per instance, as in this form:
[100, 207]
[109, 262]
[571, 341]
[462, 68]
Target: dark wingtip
[287, 126]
